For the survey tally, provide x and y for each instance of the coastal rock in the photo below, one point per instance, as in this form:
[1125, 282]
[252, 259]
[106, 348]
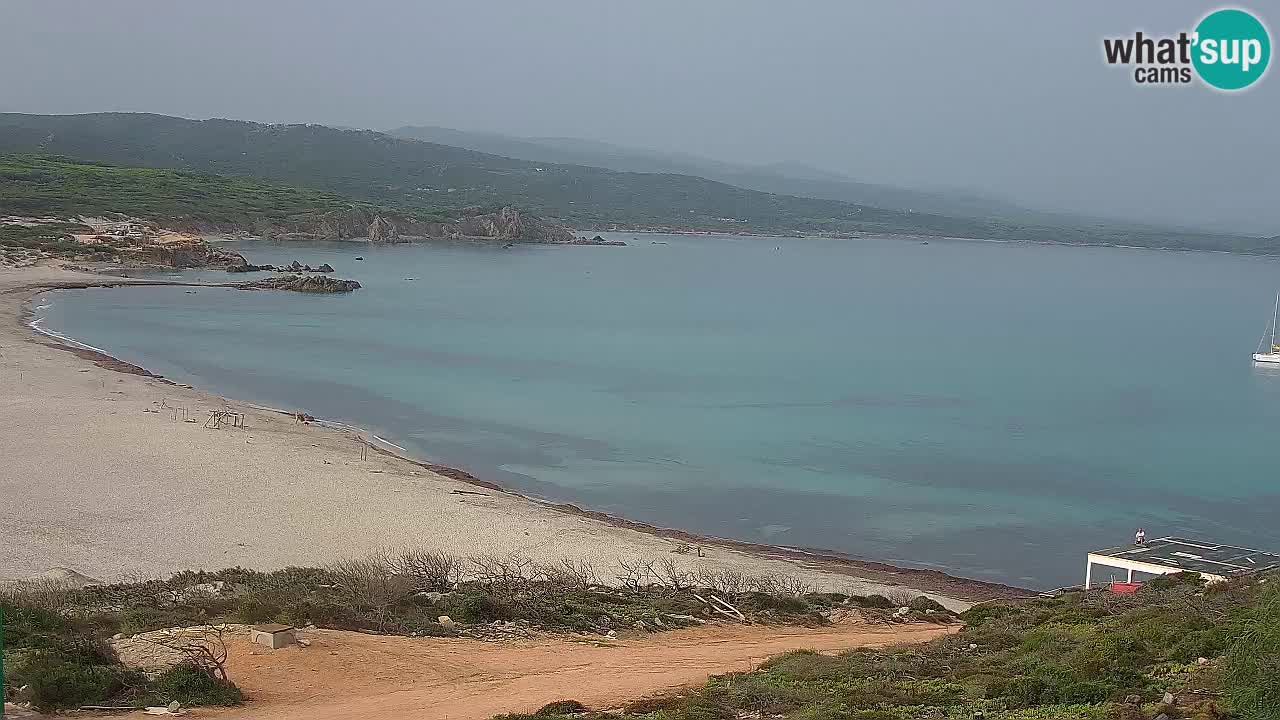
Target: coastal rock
[597, 240]
[249, 267]
[506, 224]
[297, 267]
[299, 283]
[382, 230]
[186, 253]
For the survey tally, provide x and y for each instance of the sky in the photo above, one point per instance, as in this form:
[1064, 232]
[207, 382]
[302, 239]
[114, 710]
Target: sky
[1011, 99]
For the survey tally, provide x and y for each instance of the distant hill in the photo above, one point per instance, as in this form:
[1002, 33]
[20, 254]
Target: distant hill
[417, 176]
[783, 178]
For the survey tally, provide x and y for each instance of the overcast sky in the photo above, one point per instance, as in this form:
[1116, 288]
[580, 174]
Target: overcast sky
[1008, 98]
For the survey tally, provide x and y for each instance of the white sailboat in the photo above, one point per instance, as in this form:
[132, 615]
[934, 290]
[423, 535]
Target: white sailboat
[1272, 356]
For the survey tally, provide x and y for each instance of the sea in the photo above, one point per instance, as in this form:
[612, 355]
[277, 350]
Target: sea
[988, 409]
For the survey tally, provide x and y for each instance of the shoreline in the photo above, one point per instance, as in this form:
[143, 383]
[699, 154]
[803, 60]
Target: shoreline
[824, 561]
[869, 235]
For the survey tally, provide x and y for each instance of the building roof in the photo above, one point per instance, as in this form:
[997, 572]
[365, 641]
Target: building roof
[1196, 556]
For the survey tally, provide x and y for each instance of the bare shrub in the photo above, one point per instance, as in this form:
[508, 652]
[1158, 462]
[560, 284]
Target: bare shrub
[725, 581]
[428, 571]
[901, 597]
[204, 647]
[503, 573]
[668, 573]
[778, 584]
[569, 573]
[792, 585]
[370, 583]
[634, 573]
[43, 593]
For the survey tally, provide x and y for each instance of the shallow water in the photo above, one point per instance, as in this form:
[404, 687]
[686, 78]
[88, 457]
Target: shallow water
[993, 410]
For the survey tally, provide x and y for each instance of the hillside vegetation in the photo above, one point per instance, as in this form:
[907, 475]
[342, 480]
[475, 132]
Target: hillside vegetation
[63, 187]
[58, 190]
[415, 176]
[60, 637]
[1174, 650]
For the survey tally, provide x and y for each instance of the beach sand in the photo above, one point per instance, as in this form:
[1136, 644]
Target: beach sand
[97, 476]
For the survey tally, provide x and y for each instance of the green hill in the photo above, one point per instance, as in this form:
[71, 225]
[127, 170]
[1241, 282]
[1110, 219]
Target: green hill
[416, 176]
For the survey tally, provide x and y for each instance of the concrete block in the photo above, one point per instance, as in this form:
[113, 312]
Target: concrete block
[273, 636]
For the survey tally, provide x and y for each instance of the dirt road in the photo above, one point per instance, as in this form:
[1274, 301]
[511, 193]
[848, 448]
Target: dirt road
[350, 675]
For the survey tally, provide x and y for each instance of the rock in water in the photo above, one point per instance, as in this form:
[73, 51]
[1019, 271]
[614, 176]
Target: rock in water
[299, 283]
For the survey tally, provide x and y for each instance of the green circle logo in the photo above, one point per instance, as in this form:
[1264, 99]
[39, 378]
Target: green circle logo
[1232, 49]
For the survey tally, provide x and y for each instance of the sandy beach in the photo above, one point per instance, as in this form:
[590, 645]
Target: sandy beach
[102, 476]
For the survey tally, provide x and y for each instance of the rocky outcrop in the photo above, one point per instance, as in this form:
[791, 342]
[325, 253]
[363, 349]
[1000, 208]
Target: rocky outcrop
[193, 254]
[506, 224]
[297, 267]
[249, 267]
[597, 240]
[319, 284]
[382, 230]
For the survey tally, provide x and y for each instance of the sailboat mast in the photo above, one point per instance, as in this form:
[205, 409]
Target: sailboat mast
[1274, 314]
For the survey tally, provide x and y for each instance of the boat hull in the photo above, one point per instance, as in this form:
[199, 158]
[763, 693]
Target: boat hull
[1268, 358]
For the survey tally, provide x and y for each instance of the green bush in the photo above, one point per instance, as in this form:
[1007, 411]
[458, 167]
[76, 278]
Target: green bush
[191, 685]
[58, 683]
[485, 608]
[1167, 582]
[922, 603]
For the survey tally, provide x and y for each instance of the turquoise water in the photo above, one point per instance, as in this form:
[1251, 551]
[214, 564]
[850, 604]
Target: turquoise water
[992, 410]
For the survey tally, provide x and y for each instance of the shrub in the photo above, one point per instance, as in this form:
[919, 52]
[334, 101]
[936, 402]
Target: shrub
[922, 604]
[428, 571]
[370, 584]
[485, 608]
[191, 685]
[562, 707]
[1168, 582]
[56, 683]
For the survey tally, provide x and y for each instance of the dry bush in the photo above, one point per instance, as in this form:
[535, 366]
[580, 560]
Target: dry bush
[503, 573]
[428, 571]
[370, 583]
[667, 572]
[204, 647]
[42, 593]
[901, 597]
[778, 584]
[634, 573]
[726, 581]
[569, 573]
